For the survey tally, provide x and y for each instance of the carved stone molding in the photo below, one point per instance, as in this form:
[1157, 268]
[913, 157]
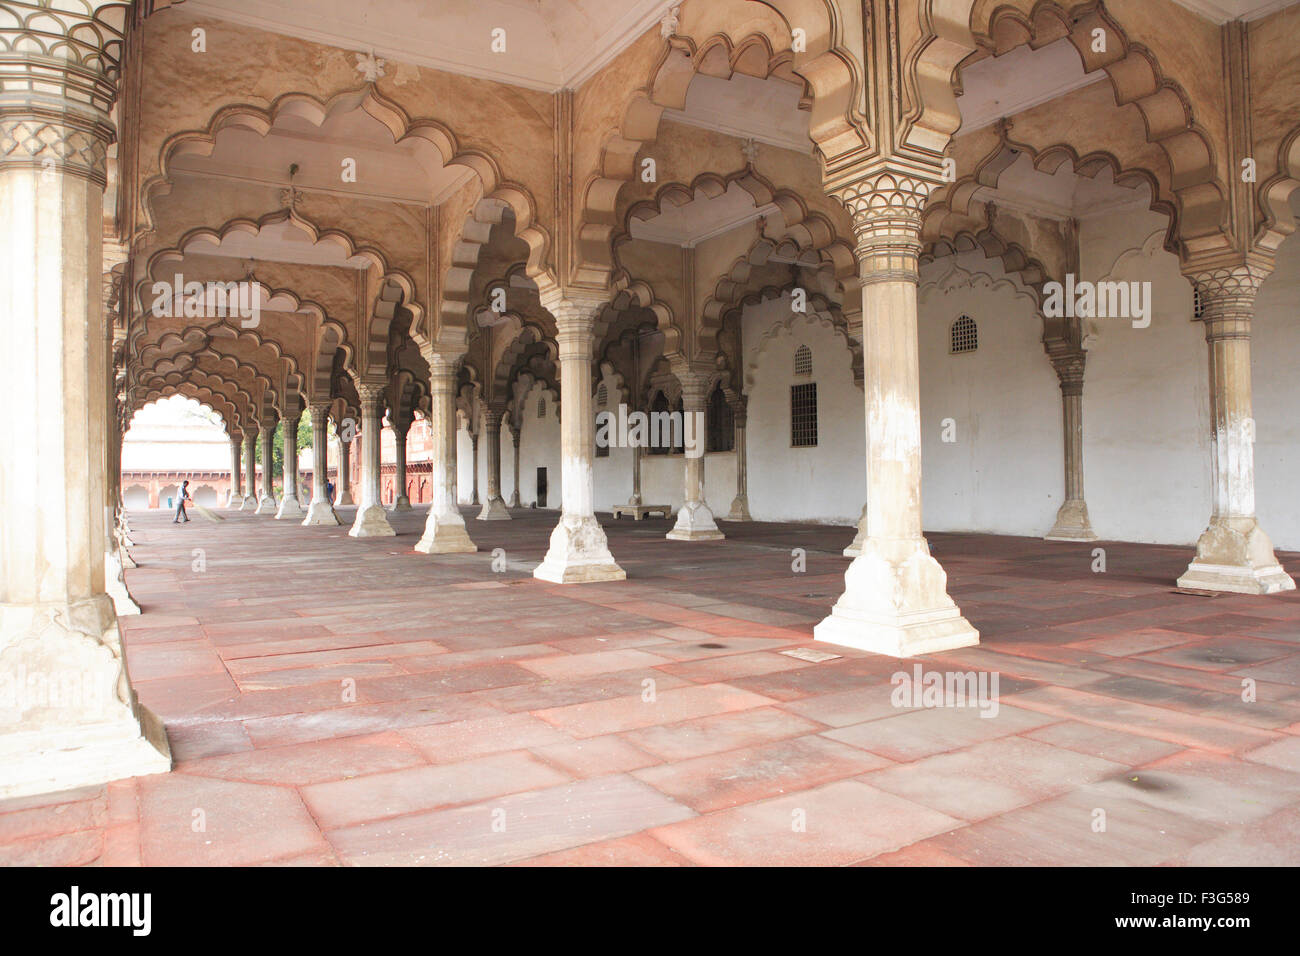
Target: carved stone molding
[886, 209]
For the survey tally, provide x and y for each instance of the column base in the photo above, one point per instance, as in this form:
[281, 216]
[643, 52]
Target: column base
[128, 562]
[494, 510]
[695, 523]
[83, 726]
[739, 509]
[896, 602]
[855, 546]
[445, 534]
[249, 504]
[1234, 554]
[345, 498]
[402, 503]
[321, 513]
[265, 506]
[289, 508]
[1072, 523]
[514, 501]
[371, 522]
[579, 553]
[115, 585]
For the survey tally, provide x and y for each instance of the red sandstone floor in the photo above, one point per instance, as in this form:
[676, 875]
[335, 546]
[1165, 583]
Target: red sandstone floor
[498, 719]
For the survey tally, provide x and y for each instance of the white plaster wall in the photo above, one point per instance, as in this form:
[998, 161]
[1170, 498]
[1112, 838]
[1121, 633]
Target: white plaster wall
[1004, 471]
[826, 483]
[1146, 395]
[539, 447]
[1276, 345]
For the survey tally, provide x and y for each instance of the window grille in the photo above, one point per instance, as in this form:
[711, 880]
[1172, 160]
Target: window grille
[803, 361]
[965, 336]
[803, 415]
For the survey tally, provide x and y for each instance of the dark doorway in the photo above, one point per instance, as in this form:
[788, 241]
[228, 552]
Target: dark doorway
[541, 487]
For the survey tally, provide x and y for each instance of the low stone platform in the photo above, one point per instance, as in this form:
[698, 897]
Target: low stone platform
[332, 700]
[640, 511]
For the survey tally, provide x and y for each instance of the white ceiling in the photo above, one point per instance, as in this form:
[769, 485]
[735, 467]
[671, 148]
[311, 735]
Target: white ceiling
[763, 110]
[1221, 11]
[550, 44]
[1063, 194]
[702, 218]
[999, 86]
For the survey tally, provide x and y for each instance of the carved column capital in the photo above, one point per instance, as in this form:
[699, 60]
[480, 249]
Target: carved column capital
[1227, 298]
[372, 398]
[886, 207]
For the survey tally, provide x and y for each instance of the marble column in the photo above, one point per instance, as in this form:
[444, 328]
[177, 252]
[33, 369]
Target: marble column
[401, 501]
[290, 507]
[250, 469]
[236, 497]
[371, 520]
[1233, 553]
[266, 502]
[343, 490]
[578, 549]
[896, 594]
[320, 511]
[444, 528]
[71, 718]
[740, 504]
[635, 497]
[514, 491]
[494, 509]
[1072, 522]
[695, 519]
[473, 454]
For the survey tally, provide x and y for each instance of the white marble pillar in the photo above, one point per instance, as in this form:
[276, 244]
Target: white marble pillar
[444, 528]
[290, 507]
[635, 497]
[514, 491]
[71, 717]
[1233, 553]
[740, 504]
[579, 550]
[343, 491]
[320, 511]
[371, 520]
[1072, 523]
[266, 504]
[250, 470]
[236, 497]
[401, 501]
[695, 520]
[895, 599]
[494, 509]
[473, 455]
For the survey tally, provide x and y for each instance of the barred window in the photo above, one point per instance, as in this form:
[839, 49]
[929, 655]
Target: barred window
[803, 415]
[541, 406]
[1198, 304]
[720, 426]
[965, 336]
[803, 361]
[602, 395]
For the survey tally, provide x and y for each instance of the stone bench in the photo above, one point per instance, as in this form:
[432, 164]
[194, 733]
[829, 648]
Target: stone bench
[640, 511]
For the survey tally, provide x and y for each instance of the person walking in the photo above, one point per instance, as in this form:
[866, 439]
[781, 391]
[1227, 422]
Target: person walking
[329, 491]
[180, 503]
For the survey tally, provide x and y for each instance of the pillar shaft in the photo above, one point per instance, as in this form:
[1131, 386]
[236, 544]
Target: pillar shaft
[321, 510]
[250, 470]
[635, 498]
[444, 528]
[695, 520]
[236, 473]
[578, 549]
[514, 490]
[371, 521]
[1233, 553]
[494, 508]
[401, 501]
[1072, 523]
[895, 599]
[58, 628]
[740, 504]
[266, 501]
[343, 493]
[290, 506]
